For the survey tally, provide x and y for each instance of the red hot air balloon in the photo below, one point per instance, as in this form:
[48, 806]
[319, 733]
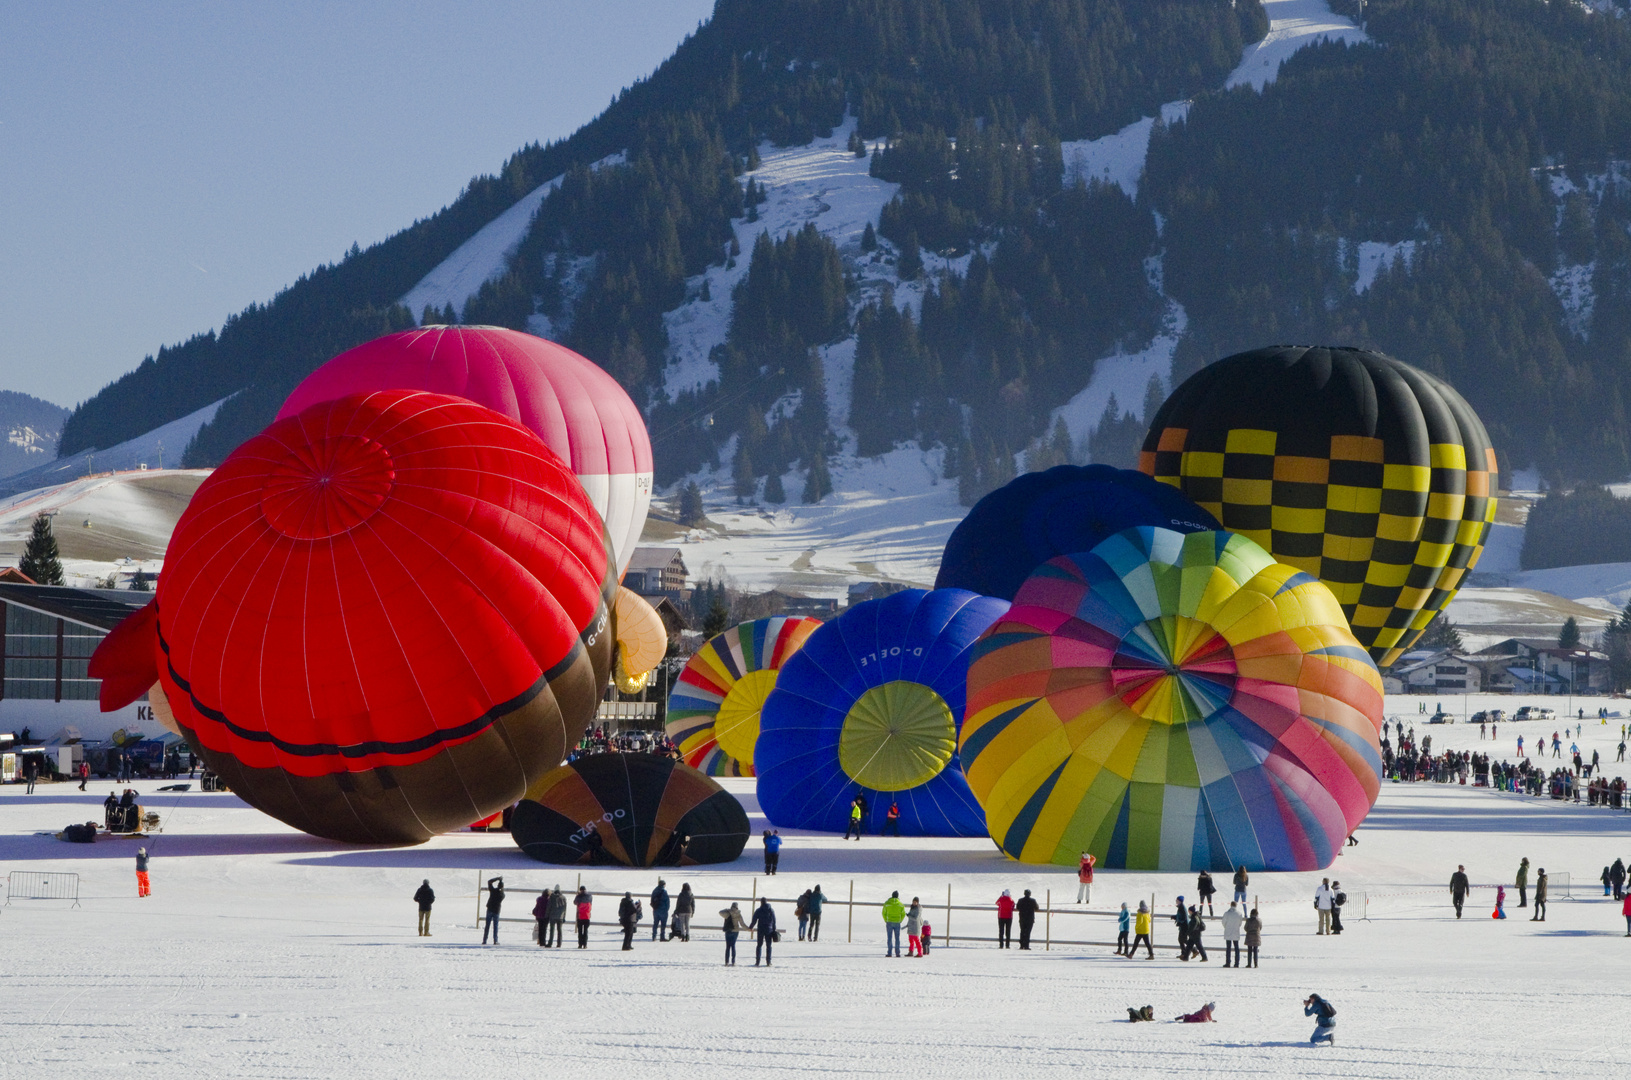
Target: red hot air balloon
[384, 617]
[571, 403]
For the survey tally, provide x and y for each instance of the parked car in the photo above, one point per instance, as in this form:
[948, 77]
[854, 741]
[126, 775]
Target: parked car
[1441, 717]
[1535, 712]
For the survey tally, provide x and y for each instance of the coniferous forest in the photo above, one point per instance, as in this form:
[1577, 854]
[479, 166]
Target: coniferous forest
[1488, 142]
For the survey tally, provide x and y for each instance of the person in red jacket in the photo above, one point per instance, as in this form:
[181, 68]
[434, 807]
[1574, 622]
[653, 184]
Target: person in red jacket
[1625, 909]
[584, 902]
[1005, 921]
[1084, 879]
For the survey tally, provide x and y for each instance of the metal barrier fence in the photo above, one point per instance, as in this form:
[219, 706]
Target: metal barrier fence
[1042, 933]
[41, 885]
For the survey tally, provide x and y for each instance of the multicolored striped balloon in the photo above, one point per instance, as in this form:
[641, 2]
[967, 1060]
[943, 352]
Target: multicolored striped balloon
[713, 711]
[1173, 702]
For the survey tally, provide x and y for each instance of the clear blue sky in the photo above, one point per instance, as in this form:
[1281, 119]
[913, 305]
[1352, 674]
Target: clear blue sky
[162, 166]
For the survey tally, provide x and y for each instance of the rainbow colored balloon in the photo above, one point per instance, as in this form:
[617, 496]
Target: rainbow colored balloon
[1173, 702]
[713, 710]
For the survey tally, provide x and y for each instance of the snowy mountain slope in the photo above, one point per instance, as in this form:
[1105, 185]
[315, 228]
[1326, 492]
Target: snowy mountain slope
[104, 524]
[1293, 25]
[823, 184]
[144, 451]
[890, 516]
[485, 255]
[29, 428]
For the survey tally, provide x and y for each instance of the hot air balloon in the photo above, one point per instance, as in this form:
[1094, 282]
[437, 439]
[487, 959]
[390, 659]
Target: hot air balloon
[384, 617]
[573, 405]
[1065, 509]
[642, 640]
[1173, 702]
[713, 709]
[633, 809]
[871, 706]
[1373, 476]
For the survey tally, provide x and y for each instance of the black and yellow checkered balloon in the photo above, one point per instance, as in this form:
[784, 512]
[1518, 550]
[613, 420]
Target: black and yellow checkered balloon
[1376, 477]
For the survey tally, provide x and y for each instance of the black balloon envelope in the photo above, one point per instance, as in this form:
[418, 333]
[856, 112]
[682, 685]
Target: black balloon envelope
[632, 809]
[1062, 511]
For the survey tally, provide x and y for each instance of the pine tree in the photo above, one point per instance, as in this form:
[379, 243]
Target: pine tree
[818, 481]
[1441, 633]
[691, 512]
[1569, 638]
[140, 582]
[41, 561]
[742, 473]
[1155, 395]
[717, 619]
[910, 264]
[707, 293]
[774, 491]
[869, 238]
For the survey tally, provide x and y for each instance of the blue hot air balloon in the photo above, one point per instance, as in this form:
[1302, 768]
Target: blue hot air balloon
[871, 706]
[1065, 510]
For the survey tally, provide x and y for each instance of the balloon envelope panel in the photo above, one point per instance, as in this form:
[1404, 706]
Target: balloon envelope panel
[1375, 477]
[1066, 509]
[642, 639]
[385, 616]
[1173, 702]
[871, 706]
[714, 707]
[629, 809]
[578, 409]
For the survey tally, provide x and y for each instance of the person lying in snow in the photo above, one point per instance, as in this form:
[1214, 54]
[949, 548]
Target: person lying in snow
[1203, 1015]
[1135, 1015]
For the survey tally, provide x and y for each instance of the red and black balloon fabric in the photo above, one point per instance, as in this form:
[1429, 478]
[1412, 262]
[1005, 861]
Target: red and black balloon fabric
[386, 616]
[629, 809]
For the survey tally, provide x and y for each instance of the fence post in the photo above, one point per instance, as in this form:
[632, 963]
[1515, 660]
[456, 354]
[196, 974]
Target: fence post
[850, 936]
[1047, 923]
[1152, 920]
[755, 887]
[948, 913]
[478, 897]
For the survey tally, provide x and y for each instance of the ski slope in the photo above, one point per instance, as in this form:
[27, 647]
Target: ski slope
[264, 952]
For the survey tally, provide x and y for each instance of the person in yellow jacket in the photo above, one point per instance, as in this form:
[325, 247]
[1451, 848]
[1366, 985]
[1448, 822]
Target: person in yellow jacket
[894, 913]
[854, 819]
[1141, 931]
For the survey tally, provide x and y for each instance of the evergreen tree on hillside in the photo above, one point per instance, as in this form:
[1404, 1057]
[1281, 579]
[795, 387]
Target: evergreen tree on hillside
[775, 492]
[691, 511]
[817, 480]
[1441, 633]
[40, 560]
[1569, 636]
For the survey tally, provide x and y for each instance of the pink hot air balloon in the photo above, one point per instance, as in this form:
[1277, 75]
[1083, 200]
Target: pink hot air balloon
[571, 403]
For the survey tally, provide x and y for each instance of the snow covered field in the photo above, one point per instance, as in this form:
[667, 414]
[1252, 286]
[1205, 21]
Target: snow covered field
[267, 953]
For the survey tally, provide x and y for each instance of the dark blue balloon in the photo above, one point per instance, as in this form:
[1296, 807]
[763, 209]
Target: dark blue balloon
[914, 640]
[1063, 511]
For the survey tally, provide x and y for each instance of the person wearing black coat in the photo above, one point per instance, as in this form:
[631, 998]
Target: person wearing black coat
[555, 932]
[685, 906]
[764, 922]
[628, 916]
[1026, 909]
[495, 902]
[1181, 918]
[1458, 889]
[540, 912]
[425, 897]
[659, 911]
[1195, 928]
